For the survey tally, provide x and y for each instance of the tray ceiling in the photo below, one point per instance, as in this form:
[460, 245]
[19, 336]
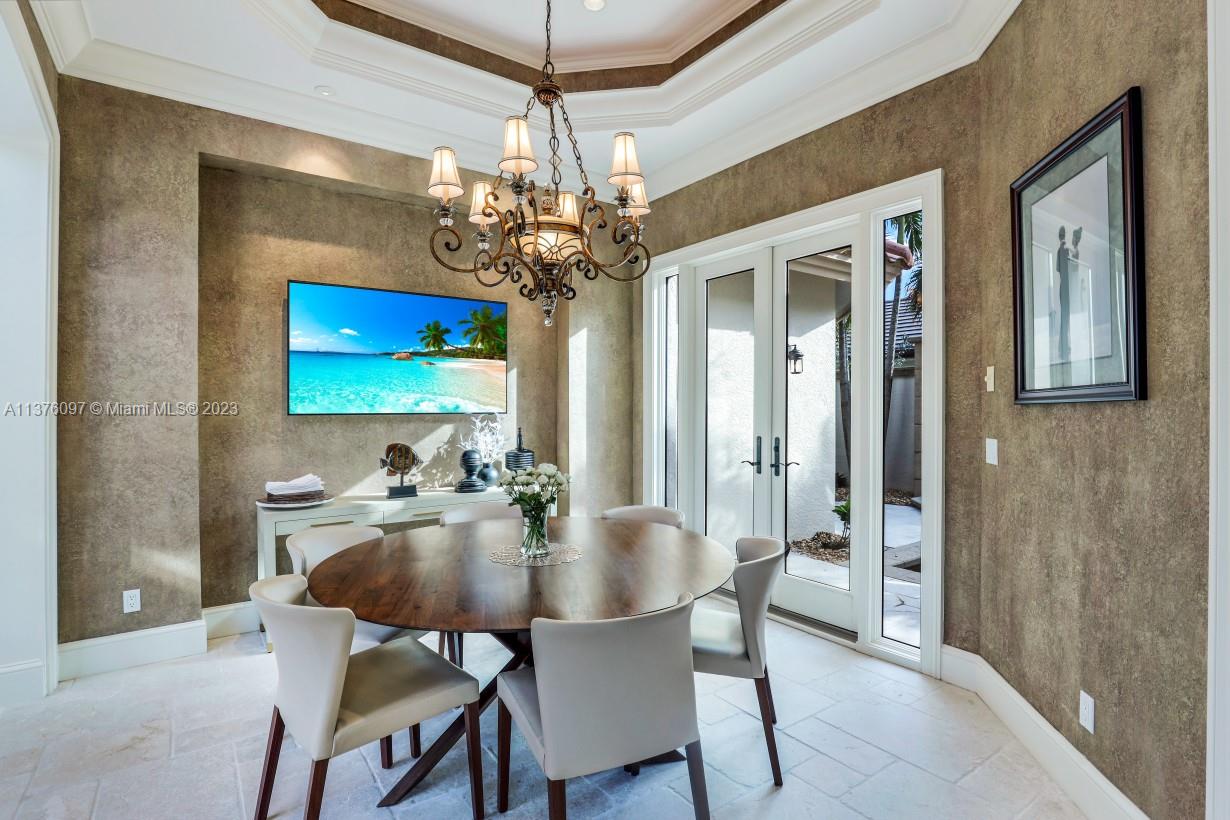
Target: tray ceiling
[624, 33]
[802, 65]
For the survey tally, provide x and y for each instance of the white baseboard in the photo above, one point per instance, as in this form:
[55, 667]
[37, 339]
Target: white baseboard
[231, 619]
[1084, 785]
[112, 652]
[22, 681]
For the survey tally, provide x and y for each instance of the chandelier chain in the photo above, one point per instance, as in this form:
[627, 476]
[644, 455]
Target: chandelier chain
[576, 149]
[548, 67]
[556, 176]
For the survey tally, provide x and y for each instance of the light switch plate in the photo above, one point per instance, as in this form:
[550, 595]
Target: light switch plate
[132, 600]
[1086, 711]
[990, 379]
[992, 451]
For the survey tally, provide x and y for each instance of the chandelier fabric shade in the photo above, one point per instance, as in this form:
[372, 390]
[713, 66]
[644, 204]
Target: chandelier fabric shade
[625, 168]
[638, 202]
[478, 203]
[545, 236]
[568, 208]
[445, 180]
[518, 151]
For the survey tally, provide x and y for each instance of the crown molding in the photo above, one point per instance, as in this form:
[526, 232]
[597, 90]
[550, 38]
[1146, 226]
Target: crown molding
[65, 27]
[394, 97]
[724, 15]
[862, 87]
[777, 38]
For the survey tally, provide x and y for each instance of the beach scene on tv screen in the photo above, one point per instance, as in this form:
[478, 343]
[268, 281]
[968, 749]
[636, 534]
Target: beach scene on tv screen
[355, 350]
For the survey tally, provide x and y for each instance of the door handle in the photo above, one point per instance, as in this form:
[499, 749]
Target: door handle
[755, 463]
[777, 457]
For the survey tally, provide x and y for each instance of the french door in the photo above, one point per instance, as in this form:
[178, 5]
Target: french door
[789, 392]
[778, 415]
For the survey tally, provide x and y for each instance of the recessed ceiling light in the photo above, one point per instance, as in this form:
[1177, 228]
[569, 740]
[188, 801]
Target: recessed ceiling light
[324, 90]
[595, 5]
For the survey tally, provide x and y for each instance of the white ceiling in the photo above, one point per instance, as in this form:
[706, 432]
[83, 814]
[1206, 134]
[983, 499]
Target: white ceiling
[625, 33]
[806, 64]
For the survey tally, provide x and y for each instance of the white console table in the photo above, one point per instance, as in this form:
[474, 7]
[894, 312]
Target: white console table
[369, 510]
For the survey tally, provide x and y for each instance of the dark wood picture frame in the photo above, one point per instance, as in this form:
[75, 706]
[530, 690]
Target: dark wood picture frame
[1127, 111]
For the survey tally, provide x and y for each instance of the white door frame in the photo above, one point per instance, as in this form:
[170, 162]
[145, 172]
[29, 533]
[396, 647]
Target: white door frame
[925, 189]
[1217, 775]
[35, 243]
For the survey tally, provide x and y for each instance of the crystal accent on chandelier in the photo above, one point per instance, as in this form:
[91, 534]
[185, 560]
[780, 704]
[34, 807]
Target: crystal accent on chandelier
[546, 235]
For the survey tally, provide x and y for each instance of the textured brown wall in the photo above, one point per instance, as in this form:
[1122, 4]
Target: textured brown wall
[255, 233]
[1080, 561]
[129, 504]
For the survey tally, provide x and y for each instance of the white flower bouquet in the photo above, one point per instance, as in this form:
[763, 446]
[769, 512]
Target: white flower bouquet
[534, 491]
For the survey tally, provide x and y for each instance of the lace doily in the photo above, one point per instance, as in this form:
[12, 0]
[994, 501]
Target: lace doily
[557, 554]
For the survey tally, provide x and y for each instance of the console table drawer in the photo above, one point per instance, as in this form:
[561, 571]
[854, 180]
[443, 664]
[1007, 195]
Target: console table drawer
[361, 519]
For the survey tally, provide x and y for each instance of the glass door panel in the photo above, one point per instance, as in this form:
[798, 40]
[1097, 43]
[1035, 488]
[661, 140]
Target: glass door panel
[730, 418]
[816, 419]
[670, 390]
[901, 566]
[817, 481]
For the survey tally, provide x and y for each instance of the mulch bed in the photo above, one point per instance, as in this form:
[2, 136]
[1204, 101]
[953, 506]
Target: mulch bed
[823, 546]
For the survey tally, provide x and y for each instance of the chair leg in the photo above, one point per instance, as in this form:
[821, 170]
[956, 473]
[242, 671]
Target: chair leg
[461, 642]
[474, 751]
[769, 689]
[452, 647]
[557, 804]
[272, 751]
[503, 753]
[440, 649]
[762, 693]
[316, 789]
[416, 741]
[696, 776]
[386, 752]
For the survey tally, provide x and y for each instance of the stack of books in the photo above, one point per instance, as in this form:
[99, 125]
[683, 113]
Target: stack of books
[302, 490]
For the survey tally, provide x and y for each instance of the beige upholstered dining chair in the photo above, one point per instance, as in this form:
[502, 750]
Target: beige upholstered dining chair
[647, 512]
[333, 701]
[308, 548]
[482, 511]
[603, 694]
[733, 644]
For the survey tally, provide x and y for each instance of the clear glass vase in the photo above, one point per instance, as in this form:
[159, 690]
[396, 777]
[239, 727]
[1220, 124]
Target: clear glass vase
[534, 533]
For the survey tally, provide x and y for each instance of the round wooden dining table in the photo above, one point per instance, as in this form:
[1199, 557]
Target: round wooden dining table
[443, 579]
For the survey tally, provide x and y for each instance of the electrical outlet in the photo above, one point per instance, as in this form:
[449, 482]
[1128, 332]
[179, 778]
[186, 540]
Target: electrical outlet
[132, 600]
[1086, 711]
[990, 379]
[992, 451]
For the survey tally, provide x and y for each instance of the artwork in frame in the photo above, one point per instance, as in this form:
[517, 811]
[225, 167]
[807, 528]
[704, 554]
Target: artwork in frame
[1078, 265]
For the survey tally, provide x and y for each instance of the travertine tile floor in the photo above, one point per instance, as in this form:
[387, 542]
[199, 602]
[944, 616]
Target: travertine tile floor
[858, 738]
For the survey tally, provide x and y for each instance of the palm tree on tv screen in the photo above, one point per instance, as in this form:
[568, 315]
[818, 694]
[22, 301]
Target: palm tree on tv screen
[486, 332]
[434, 336]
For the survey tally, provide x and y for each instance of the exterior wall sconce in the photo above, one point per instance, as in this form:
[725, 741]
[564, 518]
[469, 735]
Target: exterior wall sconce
[795, 357]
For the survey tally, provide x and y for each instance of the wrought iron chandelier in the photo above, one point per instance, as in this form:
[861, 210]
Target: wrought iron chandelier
[544, 238]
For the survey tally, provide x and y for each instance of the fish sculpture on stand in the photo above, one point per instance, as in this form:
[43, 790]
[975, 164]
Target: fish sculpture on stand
[401, 460]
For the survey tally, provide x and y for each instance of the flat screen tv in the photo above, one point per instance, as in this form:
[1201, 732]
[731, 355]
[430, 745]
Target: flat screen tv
[353, 350]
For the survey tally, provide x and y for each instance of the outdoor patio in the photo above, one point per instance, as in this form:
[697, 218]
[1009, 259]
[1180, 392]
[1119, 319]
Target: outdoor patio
[902, 591]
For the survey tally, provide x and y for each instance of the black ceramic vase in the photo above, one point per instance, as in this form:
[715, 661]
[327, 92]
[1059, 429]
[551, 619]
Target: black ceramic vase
[489, 474]
[520, 458]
